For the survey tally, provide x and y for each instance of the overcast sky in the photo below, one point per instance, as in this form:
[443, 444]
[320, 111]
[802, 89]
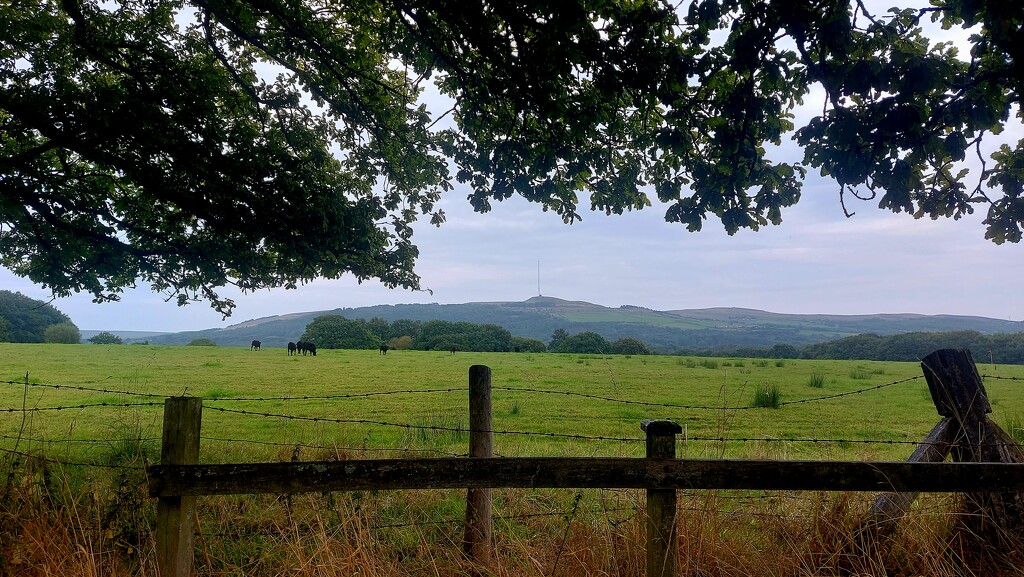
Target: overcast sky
[817, 261]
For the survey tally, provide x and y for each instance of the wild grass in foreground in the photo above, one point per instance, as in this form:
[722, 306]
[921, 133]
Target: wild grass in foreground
[104, 528]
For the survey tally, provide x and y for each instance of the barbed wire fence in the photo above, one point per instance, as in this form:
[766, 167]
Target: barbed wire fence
[215, 404]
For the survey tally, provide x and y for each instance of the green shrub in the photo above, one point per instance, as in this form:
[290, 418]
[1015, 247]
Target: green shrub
[709, 363]
[203, 342]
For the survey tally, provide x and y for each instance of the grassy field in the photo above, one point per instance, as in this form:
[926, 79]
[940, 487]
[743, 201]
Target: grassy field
[533, 393]
[351, 404]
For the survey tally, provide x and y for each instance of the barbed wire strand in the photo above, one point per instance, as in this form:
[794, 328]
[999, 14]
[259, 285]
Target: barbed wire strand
[75, 407]
[345, 396]
[419, 427]
[85, 389]
[699, 407]
[70, 440]
[331, 447]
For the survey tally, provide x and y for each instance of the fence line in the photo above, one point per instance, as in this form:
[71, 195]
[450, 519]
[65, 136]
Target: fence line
[75, 407]
[701, 407]
[462, 390]
[418, 427]
[952, 381]
[85, 389]
[332, 447]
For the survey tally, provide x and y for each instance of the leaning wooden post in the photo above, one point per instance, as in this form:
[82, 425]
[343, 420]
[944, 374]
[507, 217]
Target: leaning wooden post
[479, 521]
[175, 522]
[958, 392]
[661, 503]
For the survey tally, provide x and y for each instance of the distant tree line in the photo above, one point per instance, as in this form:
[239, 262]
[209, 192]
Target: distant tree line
[27, 320]
[338, 332]
[1003, 348]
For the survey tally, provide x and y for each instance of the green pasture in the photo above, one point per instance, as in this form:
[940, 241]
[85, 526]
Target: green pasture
[427, 411]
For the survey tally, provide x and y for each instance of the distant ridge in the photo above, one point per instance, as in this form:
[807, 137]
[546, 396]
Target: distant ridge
[664, 331]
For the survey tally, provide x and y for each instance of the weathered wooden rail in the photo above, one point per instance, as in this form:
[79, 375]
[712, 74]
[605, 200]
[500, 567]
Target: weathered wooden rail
[177, 481]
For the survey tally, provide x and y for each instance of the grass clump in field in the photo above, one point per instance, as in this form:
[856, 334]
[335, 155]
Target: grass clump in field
[817, 380]
[767, 397]
[859, 374]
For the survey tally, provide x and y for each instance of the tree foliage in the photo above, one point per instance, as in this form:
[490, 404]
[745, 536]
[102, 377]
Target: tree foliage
[629, 346]
[586, 342]
[337, 332]
[443, 335]
[198, 144]
[26, 319]
[526, 345]
[62, 333]
[106, 338]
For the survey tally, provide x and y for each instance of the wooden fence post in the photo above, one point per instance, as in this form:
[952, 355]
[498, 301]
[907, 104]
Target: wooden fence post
[175, 523]
[479, 520]
[661, 503]
[959, 394]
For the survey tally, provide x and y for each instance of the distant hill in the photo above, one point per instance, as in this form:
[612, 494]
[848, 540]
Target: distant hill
[663, 331]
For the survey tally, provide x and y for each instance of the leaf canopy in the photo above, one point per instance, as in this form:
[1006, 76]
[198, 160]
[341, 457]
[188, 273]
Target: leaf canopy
[265, 143]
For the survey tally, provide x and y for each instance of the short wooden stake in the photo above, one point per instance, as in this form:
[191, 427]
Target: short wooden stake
[661, 503]
[479, 519]
[175, 523]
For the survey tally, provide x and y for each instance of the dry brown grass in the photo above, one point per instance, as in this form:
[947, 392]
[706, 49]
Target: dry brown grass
[52, 525]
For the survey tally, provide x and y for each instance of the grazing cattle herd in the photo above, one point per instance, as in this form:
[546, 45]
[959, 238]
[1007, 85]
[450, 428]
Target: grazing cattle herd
[308, 348]
[303, 347]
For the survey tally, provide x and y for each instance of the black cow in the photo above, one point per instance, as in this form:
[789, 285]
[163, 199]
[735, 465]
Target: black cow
[311, 349]
[305, 348]
[454, 348]
[292, 348]
[383, 348]
[255, 346]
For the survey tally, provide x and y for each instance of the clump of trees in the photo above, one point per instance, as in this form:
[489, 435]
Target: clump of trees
[337, 332]
[62, 333]
[27, 320]
[588, 342]
[106, 338]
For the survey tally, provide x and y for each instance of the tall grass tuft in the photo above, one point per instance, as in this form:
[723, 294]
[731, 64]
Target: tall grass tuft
[767, 396]
[1014, 425]
[817, 380]
[859, 374]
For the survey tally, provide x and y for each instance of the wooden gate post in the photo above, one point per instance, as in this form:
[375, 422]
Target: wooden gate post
[959, 395]
[661, 503]
[479, 520]
[175, 522]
